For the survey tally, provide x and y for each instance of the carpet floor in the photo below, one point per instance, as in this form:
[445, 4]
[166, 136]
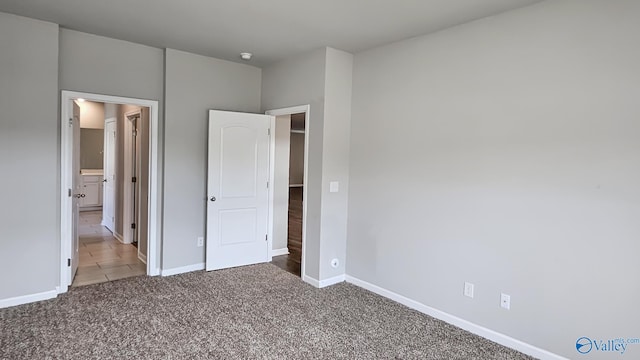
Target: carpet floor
[252, 312]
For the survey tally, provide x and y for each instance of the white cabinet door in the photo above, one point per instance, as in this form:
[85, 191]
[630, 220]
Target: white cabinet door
[92, 190]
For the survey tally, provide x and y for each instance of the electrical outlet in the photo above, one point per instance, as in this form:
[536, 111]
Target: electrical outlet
[505, 301]
[468, 289]
[200, 241]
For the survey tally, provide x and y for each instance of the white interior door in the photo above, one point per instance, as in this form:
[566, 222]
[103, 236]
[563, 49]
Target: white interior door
[77, 189]
[237, 186]
[108, 202]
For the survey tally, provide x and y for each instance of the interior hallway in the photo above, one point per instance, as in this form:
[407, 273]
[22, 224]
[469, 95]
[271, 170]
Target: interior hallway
[102, 257]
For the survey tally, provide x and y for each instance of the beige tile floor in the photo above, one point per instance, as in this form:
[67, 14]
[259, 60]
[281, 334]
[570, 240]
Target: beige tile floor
[102, 257]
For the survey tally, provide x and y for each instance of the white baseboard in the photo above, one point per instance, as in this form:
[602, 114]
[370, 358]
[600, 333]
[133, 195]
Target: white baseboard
[309, 280]
[323, 283]
[25, 299]
[108, 228]
[332, 281]
[182, 269]
[142, 257]
[461, 323]
[278, 252]
[118, 237]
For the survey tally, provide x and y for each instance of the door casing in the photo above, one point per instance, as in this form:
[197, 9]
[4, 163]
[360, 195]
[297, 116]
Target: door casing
[66, 172]
[272, 155]
[129, 193]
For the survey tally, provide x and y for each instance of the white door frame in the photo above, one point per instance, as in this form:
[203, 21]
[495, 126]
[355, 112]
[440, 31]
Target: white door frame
[128, 217]
[272, 156]
[66, 153]
[109, 156]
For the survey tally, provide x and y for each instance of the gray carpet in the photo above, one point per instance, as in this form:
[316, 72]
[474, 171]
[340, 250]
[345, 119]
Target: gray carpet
[254, 312]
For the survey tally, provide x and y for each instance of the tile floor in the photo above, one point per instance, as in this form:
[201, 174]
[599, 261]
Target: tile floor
[102, 257]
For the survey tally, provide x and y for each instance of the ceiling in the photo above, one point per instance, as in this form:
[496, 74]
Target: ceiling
[271, 29]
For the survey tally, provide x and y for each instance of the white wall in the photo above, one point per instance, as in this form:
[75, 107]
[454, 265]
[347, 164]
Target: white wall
[28, 157]
[296, 158]
[91, 115]
[110, 111]
[506, 152]
[282, 134]
[91, 136]
[335, 161]
[101, 65]
[300, 81]
[322, 79]
[194, 84]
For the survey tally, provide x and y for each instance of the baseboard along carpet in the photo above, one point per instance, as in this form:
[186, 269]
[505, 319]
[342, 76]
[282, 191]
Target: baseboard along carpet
[252, 312]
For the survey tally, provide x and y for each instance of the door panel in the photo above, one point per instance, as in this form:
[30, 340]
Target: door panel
[237, 206]
[108, 203]
[77, 191]
[237, 226]
[238, 162]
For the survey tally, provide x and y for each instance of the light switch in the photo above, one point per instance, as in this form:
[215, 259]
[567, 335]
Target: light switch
[334, 186]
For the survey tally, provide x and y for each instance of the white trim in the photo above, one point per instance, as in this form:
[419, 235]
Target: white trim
[66, 153]
[142, 257]
[112, 121]
[323, 283]
[279, 252]
[332, 281]
[306, 109]
[309, 280]
[25, 299]
[272, 181]
[492, 335]
[128, 217]
[182, 269]
[118, 237]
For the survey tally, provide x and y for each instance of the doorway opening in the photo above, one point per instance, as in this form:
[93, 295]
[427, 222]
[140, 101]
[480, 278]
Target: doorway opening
[289, 174]
[108, 188]
[101, 256]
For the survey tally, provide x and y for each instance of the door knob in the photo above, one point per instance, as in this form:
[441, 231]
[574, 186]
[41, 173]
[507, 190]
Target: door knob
[213, 198]
[83, 195]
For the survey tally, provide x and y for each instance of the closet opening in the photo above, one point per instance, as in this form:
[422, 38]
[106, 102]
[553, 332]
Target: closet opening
[289, 140]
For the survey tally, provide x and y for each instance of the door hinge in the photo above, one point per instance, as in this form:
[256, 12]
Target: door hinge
[266, 237]
[68, 262]
[135, 132]
[269, 131]
[69, 192]
[133, 226]
[70, 122]
[134, 179]
[267, 184]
